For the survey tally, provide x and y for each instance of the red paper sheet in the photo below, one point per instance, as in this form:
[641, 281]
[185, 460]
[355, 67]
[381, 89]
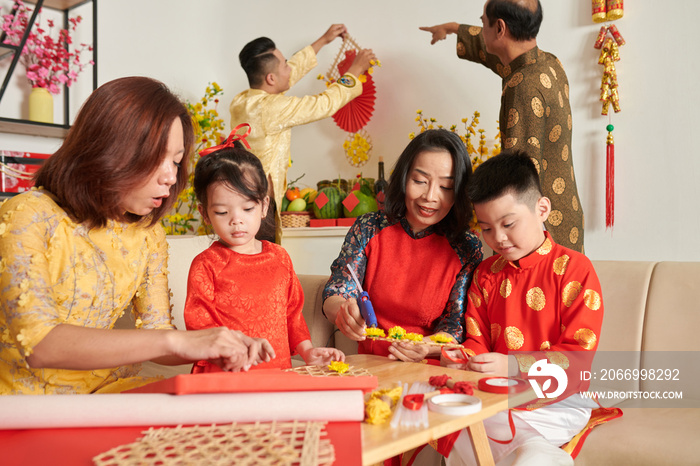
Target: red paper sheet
[264, 380]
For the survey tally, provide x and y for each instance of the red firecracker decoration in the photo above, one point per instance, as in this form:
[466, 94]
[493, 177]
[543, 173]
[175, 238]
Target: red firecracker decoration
[610, 179]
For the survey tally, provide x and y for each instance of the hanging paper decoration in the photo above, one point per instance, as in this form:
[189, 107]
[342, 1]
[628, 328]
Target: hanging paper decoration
[610, 179]
[356, 113]
[609, 94]
[608, 41]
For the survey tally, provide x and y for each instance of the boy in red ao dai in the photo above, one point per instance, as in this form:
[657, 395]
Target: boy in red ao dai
[532, 295]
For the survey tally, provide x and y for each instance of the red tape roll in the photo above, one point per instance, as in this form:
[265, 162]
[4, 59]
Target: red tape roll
[502, 385]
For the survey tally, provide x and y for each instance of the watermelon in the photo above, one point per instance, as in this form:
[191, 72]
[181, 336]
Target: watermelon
[332, 208]
[367, 204]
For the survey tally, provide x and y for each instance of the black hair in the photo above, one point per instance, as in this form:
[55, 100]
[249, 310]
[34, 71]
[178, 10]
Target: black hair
[456, 222]
[236, 168]
[511, 171]
[257, 59]
[522, 23]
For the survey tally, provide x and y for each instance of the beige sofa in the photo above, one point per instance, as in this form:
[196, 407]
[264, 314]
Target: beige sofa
[650, 308]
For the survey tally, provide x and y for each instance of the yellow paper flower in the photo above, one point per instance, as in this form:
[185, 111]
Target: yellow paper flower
[374, 332]
[414, 337]
[441, 338]
[397, 333]
[339, 367]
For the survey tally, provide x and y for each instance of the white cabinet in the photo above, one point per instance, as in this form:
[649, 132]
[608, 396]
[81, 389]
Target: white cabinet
[313, 249]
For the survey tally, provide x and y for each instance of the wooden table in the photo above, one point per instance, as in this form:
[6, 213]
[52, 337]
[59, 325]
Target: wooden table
[380, 442]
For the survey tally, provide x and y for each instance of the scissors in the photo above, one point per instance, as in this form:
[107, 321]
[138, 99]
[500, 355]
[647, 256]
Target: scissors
[366, 308]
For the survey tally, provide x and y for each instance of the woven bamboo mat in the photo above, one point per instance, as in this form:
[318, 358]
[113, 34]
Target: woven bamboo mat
[262, 443]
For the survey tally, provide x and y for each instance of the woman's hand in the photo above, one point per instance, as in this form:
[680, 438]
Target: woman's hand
[409, 352]
[345, 314]
[259, 349]
[229, 349]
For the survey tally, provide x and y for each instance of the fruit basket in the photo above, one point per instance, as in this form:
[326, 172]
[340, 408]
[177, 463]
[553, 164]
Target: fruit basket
[295, 219]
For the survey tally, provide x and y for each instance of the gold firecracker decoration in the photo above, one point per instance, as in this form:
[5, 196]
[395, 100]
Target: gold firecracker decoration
[609, 94]
[599, 14]
[615, 10]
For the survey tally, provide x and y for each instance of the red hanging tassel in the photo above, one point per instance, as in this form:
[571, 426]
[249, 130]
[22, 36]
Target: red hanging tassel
[610, 180]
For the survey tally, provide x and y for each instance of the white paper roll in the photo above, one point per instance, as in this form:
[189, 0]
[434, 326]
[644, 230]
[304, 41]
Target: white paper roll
[110, 410]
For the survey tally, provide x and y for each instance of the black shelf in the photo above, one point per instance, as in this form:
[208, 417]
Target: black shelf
[33, 128]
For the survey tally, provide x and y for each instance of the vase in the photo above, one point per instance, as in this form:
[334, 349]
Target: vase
[41, 105]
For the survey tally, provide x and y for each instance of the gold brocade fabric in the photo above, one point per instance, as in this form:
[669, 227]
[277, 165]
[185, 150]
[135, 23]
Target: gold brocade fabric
[272, 117]
[535, 117]
[54, 271]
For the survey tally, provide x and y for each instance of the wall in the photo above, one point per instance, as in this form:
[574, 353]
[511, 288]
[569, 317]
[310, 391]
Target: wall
[188, 44]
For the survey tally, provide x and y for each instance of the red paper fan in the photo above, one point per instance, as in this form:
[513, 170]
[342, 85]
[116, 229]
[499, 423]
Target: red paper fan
[356, 113]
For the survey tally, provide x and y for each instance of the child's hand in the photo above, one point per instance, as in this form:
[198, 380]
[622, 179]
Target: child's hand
[453, 359]
[497, 364]
[322, 356]
[409, 352]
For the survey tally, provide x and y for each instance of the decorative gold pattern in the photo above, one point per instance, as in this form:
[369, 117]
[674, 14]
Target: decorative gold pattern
[555, 357]
[533, 141]
[545, 248]
[545, 81]
[537, 107]
[548, 111]
[474, 30]
[498, 265]
[495, 333]
[516, 79]
[486, 296]
[553, 71]
[510, 142]
[513, 117]
[506, 288]
[586, 338]
[561, 264]
[545, 345]
[514, 338]
[537, 163]
[461, 50]
[561, 100]
[566, 92]
[473, 327]
[555, 133]
[525, 361]
[544, 164]
[555, 218]
[569, 122]
[570, 293]
[476, 301]
[591, 299]
[574, 203]
[573, 235]
[565, 153]
[559, 185]
[535, 299]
